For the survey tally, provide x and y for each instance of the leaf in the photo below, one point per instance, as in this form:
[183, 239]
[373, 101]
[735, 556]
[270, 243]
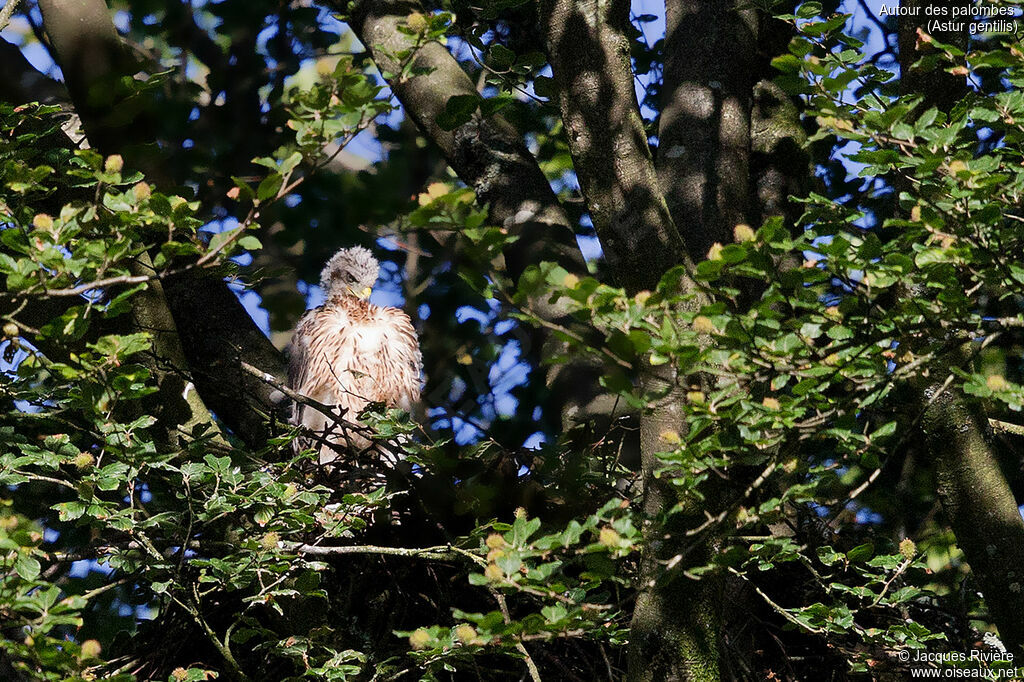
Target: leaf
[27, 567]
[269, 187]
[500, 57]
[218, 241]
[809, 10]
[457, 111]
[860, 553]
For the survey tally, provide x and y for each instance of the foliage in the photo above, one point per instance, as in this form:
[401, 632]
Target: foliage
[138, 541]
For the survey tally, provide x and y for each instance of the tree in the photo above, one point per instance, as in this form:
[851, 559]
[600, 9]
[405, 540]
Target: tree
[767, 429]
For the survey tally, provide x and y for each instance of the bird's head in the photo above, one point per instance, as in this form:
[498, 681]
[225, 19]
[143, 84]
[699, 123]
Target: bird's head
[350, 272]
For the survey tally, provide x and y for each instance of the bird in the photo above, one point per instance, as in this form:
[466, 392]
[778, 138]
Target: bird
[348, 353]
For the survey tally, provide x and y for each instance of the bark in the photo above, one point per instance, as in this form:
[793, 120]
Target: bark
[180, 409]
[704, 134]
[674, 633]
[488, 154]
[219, 337]
[89, 51]
[982, 511]
[780, 167]
[590, 62]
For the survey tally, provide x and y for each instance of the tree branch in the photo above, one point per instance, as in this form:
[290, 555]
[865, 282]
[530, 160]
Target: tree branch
[590, 62]
[89, 50]
[980, 506]
[974, 492]
[488, 154]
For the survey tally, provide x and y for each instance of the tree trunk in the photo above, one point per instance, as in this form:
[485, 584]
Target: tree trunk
[676, 621]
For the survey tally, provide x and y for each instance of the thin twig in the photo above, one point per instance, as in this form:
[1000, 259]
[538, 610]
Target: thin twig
[439, 552]
[1006, 427]
[530, 665]
[6, 12]
[885, 588]
[778, 609]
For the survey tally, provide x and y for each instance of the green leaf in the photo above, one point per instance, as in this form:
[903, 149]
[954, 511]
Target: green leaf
[809, 10]
[500, 57]
[860, 553]
[269, 187]
[27, 567]
[457, 111]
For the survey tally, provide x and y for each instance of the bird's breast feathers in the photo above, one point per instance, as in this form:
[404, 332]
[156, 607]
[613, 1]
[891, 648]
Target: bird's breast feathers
[354, 346]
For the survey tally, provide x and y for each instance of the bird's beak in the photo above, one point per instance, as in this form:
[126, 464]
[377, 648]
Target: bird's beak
[365, 293]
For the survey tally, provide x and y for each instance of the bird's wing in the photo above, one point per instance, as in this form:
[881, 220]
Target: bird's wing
[404, 362]
[299, 357]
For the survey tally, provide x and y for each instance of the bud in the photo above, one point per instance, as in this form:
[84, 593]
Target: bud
[495, 541]
[269, 540]
[642, 297]
[493, 573]
[91, 648]
[10, 330]
[609, 537]
[417, 22]
[908, 549]
[43, 222]
[113, 164]
[715, 252]
[419, 639]
[520, 513]
[570, 281]
[743, 233]
[179, 674]
[915, 213]
[956, 167]
[495, 554]
[84, 460]
[703, 325]
[997, 382]
[959, 71]
[142, 191]
[465, 633]
[771, 403]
